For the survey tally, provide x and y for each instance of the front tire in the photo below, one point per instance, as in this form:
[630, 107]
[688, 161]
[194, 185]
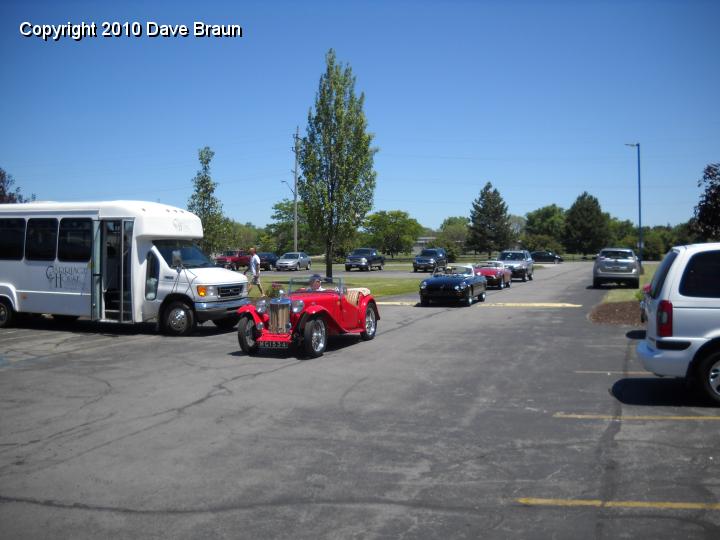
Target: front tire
[524, 277]
[7, 314]
[247, 338]
[370, 323]
[315, 337]
[179, 319]
[709, 376]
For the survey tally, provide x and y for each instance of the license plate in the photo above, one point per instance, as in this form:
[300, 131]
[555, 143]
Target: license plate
[273, 344]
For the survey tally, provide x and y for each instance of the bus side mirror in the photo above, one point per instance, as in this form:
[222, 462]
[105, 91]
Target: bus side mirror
[176, 259]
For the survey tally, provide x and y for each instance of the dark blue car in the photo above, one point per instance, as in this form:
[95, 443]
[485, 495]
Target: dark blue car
[454, 283]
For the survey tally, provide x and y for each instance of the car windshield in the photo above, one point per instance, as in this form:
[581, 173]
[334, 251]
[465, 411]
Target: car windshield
[229, 253]
[456, 271]
[263, 254]
[511, 256]
[616, 254]
[290, 256]
[428, 253]
[308, 285]
[183, 252]
[361, 252]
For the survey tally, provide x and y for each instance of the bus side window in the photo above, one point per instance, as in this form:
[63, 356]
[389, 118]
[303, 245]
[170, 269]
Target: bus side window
[152, 276]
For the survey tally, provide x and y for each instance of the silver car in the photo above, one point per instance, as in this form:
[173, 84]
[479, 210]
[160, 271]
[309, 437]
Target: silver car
[616, 265]
[294, 260]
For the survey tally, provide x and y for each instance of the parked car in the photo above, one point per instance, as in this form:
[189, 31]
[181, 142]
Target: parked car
[364, 259]
[457, 283]
[294, 260]
[520, 263]
[430, 259]
[546, 257]
[306, 315]
[233, 259]
[267, 260]
[616, 265]
[495, 272]
[682, 307]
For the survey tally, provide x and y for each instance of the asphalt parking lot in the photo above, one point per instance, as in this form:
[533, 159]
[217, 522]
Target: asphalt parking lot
[513, 418]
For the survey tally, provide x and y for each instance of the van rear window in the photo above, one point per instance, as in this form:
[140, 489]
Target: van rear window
[702, 276]
[661, 273]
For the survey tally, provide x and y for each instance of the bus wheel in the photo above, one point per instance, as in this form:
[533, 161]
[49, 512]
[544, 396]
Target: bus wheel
[179, 319]
[6, 313]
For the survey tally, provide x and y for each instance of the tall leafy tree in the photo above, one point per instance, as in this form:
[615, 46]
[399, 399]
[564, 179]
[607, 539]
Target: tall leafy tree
[707, 211]
[452, 236]
[279, 235]
[489, 222]
[206, 206]
[392, 232]
[7, 193]
[587, 228]
[336, 158]
[548, 221]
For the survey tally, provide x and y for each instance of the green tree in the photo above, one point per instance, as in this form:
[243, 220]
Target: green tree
[206, 206]
[540, 242]
[586, 226]
[392, 232]
[622, 233]
[707, 211]
[7, 194]
[336, 158]
[453, 235]
[489, 222]
[236, 235]
[547, 221]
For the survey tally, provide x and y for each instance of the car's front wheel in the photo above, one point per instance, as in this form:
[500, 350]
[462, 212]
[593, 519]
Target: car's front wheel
[370, 323]
[246, 336]
[709, 371]
[315, 337]
[481, 297]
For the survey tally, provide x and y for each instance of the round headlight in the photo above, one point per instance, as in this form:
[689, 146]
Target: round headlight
[261, 306]
[297, 306]
[363, 260]
[432, 260]
[423, 285]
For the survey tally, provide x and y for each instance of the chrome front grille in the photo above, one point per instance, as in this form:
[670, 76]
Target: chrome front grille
[279, 317]
[228, 291]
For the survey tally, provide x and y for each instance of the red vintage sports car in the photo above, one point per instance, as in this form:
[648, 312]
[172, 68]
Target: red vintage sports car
[305, 315]
[497, 274]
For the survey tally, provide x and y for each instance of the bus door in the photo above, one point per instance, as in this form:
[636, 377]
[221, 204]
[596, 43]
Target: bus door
[112, 271]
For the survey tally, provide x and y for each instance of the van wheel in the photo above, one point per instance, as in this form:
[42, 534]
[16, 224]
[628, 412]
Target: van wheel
[246, 336]
[179, 319]
[709, 371]
[7, 314]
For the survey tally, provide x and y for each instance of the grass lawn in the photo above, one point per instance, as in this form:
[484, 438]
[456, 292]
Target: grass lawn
[378, 286]
[624, 295]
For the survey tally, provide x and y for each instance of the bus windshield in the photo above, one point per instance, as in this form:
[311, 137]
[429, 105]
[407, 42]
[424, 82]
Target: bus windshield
[183, 251]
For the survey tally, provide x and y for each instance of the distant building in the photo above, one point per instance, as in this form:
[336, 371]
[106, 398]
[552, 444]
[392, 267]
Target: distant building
[422, 242]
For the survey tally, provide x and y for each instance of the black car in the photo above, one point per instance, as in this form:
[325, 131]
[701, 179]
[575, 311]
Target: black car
[454, 283]
[430, 259]
[267, 260]
[364, 259]
[546, 256]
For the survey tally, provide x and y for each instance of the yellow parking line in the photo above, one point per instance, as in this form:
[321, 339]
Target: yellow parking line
[624, 418]
[618, 504]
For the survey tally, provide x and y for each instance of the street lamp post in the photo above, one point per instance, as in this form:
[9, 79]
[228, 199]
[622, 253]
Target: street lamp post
[640, 237]
[294, 191]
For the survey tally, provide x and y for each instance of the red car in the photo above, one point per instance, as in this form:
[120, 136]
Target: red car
[233, 259]
[306, 315]
[496, 273]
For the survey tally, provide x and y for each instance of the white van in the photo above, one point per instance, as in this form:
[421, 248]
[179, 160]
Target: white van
[113, 261]
[682, 306]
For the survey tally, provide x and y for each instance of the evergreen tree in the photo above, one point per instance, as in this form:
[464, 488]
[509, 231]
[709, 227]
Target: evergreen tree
[489, 222]
[336, 158]
[707, 212]
[587, 228]
[206, 206]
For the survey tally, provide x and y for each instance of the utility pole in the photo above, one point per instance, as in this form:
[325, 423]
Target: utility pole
[640, 235]
[295, 175]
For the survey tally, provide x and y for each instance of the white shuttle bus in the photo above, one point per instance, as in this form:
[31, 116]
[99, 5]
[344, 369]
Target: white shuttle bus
[113, 261]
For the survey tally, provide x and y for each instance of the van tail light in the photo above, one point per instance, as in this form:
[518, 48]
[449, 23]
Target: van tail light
[664, 319]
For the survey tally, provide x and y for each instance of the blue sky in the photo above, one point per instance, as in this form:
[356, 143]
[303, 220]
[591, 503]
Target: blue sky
[536, 97]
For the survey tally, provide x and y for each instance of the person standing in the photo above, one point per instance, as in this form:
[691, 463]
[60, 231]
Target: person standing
[255, 271]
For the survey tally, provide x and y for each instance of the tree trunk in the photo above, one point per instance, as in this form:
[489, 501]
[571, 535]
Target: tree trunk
[328, 258]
